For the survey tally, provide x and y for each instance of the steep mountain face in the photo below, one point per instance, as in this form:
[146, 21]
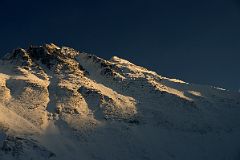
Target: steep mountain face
[58, 103]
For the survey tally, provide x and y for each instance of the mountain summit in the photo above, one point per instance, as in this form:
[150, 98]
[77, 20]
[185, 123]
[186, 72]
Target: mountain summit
[59, 103]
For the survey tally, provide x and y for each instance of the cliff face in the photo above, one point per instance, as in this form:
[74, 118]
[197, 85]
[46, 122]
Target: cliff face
[58, 103]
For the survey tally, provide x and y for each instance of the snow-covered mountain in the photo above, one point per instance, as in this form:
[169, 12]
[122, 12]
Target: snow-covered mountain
[58, 103]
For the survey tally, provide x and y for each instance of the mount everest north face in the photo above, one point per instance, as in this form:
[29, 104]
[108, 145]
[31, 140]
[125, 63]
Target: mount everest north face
[58, 103]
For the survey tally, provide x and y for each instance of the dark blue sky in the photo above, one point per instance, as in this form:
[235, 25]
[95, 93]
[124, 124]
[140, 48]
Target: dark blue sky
[194, 40]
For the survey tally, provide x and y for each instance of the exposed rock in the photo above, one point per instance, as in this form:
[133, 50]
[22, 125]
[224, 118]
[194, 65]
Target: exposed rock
[18, 148]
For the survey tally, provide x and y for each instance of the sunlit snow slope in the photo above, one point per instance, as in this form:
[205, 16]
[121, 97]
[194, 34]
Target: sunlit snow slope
[58, 103]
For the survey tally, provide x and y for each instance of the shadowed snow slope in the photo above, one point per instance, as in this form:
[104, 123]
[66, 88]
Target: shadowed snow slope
[58, 103]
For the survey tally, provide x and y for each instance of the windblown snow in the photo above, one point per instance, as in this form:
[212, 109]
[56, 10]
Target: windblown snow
[59, 103]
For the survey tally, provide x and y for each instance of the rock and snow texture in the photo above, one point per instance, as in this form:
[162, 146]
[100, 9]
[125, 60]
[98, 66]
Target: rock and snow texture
[58, 103]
